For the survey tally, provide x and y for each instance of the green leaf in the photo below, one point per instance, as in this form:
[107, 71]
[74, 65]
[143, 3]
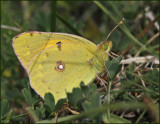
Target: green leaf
[9, 116]
[39, 112]
[113, 67]
[4, 108]
[60, 104]
[88, 90]
[28, 96]
[32, 112]
[49, 102]
[81, 94]
[76, 97]
[114, 106]
[94, 102]
[85, 89]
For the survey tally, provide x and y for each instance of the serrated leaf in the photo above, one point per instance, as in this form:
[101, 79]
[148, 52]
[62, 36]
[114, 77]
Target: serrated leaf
[60, 104]
[85, 89]
[49, 102]
[4, 108]
[95, 101]
[28, 96]
[75, 97]
[113, 67]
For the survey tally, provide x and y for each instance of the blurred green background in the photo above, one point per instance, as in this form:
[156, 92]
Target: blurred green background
[91, 20]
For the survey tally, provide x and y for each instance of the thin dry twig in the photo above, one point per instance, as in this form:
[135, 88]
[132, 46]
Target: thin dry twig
[103, 81]
[10, 28]
[114, 54]
[55, 119]
[72, 111]
[141, 60]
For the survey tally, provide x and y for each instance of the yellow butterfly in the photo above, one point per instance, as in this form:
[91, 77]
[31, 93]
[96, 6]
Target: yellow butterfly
[58, 62]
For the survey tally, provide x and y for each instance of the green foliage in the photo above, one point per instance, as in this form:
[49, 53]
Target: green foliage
[49, 102]
[40, 112]
[4, 108]
[28, 96]
[59, 104]
[6, 112]
[78, 96]
[152, 76]
[88, 97]
[93, 102]
[113, 67]
[126, 88]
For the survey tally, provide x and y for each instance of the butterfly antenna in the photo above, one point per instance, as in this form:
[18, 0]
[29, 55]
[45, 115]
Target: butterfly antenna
[121, 22]
[100, 45]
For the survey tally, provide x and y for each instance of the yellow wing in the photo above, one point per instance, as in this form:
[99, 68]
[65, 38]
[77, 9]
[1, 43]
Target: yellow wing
[59, 71]
[57, 62]
[28, 44]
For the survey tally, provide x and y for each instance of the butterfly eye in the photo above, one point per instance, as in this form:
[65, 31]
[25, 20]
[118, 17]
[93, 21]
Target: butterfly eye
[60, 66]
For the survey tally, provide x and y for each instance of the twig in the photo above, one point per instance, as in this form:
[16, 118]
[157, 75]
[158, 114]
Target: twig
[10, 28]
[56, 115]
[141, 60]
[114, 54]
[72, 111]
[102, 81]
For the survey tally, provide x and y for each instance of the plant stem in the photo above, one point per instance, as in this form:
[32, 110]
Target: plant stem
[108, 100]
[141, 116]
